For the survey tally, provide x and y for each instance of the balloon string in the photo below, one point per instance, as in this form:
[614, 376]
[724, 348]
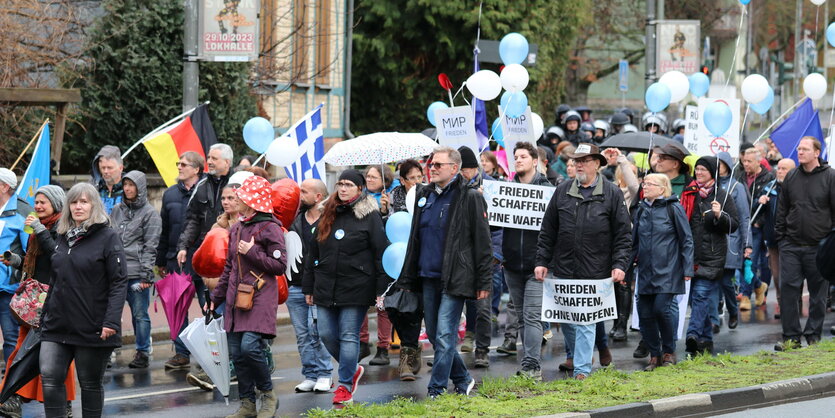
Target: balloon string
[776, 121]
[741, 130]
[649, 150]
[736, 48]
[452, 97]
[828, 139]
[502, 111]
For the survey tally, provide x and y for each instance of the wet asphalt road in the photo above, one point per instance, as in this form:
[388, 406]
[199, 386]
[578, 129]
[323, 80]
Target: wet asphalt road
[159, 393]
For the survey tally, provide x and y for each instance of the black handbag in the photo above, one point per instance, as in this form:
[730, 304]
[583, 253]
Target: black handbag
[402, 301]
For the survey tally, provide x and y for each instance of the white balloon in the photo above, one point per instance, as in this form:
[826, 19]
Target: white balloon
[678, 83]
[410, 200]
[814, 86]
[538, 126]
[754, 88]
[484, 85]
[818, 2]
[283, 152]
[514, 78]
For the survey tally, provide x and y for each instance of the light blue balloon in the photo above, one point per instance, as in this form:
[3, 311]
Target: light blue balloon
[830, 34]
[513, 49]
[514, 104]
[393, 258]
[699, 84]
[744, 2]
[498, 135]
[399, 226]
[718, 118]
[258, 134]
[430, 111]
[764, 106]
[657, 97]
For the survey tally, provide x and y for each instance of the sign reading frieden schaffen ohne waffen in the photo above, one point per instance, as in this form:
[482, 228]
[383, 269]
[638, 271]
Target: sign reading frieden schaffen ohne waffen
[516, 205]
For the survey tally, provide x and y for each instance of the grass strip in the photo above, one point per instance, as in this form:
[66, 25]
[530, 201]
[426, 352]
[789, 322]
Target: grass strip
[518, 396]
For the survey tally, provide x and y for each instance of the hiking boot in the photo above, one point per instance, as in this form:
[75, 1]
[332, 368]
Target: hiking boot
[567, 366]
[669, 359]
[140, 361]
[691, 345]
[481, 360]
[654, 363]
[178, 362]
[469, 342]
[641, 351]
[605, 357]
[414, 359]
[759, 294]
[507, 347]
[381, 358]
[619, 331]
[787, 345]
[247, 409]
[745, 304]
[534, 374]
[365, 351]
[12, 407]
[733, 321]
[269, 404]
[403, 368]
[201, 380]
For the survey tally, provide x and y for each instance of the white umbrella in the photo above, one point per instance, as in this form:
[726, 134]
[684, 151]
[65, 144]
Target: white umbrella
[379, 148]
[207, 343]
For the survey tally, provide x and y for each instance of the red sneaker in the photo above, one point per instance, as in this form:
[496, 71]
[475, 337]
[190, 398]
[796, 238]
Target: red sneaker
[356, 380]
[342, 395]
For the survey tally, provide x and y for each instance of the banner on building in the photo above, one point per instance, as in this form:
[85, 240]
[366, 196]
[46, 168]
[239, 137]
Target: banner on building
[580, 302]
[677, 46]
[228, 30]
[516, 205]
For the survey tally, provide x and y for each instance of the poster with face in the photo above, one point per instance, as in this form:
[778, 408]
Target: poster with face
[229, 30]
[677, 46]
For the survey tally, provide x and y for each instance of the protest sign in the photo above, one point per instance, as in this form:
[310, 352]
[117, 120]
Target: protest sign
[681, 301]
[691, 125]
[580, 302]
[456, 127]
[706, 143]
[516, 130]
[516, 205]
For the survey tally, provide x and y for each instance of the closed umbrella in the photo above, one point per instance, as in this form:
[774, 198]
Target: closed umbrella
[176, 291]
[24, 367]
[206, 339]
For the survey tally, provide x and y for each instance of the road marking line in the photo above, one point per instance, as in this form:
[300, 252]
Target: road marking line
[167, 392]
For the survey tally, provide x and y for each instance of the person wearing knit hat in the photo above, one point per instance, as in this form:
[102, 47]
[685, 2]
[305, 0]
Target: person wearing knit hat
[468, 158]
[354, 176]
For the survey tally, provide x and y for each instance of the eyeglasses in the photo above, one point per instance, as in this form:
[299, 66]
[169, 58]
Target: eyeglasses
[415, 179]
[183, 165]
[437, 166]
[372, 178]
[345, 185]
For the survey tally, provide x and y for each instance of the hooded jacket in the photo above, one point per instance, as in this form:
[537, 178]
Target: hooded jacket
[110, 198]
[519, 245]
[806, 207]
[203, 209]
[346, 268]
[662, 246]
[139, 226]
[585, 238]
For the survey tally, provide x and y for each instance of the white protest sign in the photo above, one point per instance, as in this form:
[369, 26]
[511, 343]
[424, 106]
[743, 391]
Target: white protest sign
[516, 130]
[691, 125]
[580, 302]
[706, 143]
[456, 127]
[516, 205]
[681, 300]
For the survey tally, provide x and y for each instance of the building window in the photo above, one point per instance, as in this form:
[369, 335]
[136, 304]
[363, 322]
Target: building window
[300, 41]
[323, 41]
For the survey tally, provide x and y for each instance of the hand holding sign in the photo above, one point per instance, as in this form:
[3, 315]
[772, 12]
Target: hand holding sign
[618, 275]
[540, 273]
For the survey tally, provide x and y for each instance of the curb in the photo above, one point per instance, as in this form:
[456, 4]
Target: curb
[719, 401]
[164, 334]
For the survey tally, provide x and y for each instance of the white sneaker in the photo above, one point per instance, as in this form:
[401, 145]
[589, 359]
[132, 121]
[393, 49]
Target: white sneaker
[306, 386]
[323, 384]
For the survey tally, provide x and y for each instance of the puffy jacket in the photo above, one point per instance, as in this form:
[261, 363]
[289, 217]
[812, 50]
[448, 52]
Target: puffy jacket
[740, 239]
[710, 234]
[89, 286]
[519, 245]
[467, 264]
[663, 246]
[348, 271]
[173, 217]
[110, 198]
[138, 225]
[203, 209]
[585, 238]
[806, 207]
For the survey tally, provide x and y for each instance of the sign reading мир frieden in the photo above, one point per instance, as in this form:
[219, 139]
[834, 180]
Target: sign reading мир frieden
[229, 30]
[516, 205]
[580, 302]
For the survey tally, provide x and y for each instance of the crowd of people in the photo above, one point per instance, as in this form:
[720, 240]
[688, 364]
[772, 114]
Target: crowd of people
[724, 231]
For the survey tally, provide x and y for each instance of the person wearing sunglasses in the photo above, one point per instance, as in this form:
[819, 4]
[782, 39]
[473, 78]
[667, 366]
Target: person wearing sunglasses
[448, 262]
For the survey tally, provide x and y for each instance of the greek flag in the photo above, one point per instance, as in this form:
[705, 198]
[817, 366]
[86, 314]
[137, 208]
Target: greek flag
[309, 135]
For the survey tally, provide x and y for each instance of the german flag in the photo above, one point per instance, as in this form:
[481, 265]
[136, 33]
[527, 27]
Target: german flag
[193, 133]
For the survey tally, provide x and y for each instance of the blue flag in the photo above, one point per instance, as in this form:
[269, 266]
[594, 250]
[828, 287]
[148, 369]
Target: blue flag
[803, 122]
[480, 114]
[37, 174]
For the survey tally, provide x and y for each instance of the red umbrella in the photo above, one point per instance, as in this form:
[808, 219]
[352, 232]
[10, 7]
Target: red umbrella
[176, 291]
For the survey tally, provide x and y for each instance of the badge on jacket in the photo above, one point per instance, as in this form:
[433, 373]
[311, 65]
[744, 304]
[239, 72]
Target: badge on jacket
[422, 202]
[339, 234]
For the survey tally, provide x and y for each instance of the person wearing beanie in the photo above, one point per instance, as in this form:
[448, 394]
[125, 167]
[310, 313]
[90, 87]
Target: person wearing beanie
[713, 218]
[37, 265]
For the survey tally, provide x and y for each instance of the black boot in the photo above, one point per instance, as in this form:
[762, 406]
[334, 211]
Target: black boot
[623, 301]
[641, 351]
[381, 358]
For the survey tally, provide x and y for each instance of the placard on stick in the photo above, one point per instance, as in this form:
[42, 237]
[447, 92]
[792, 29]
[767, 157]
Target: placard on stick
[456, 127]
[515, 130]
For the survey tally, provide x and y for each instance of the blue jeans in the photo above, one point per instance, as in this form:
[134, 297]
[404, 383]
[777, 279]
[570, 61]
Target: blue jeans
[658, 322]
[702, 294]
[339, 329]
[199, 286]
[138, 302]
[582, 348]
[601, 341]
[247, 350]
[9, 325]
[726, 289]
[442, 313]
[316, 361]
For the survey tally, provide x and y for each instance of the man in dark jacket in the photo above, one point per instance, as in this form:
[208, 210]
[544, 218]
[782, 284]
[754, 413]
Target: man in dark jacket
[107, 176]
[448, 261]
[805, 215]
[757, 176]
[588, 217]
[204, 205]
[173, 215]
[519, 249]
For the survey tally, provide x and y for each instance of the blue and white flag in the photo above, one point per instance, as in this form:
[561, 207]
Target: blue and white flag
[37, 174]
[309, 134]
